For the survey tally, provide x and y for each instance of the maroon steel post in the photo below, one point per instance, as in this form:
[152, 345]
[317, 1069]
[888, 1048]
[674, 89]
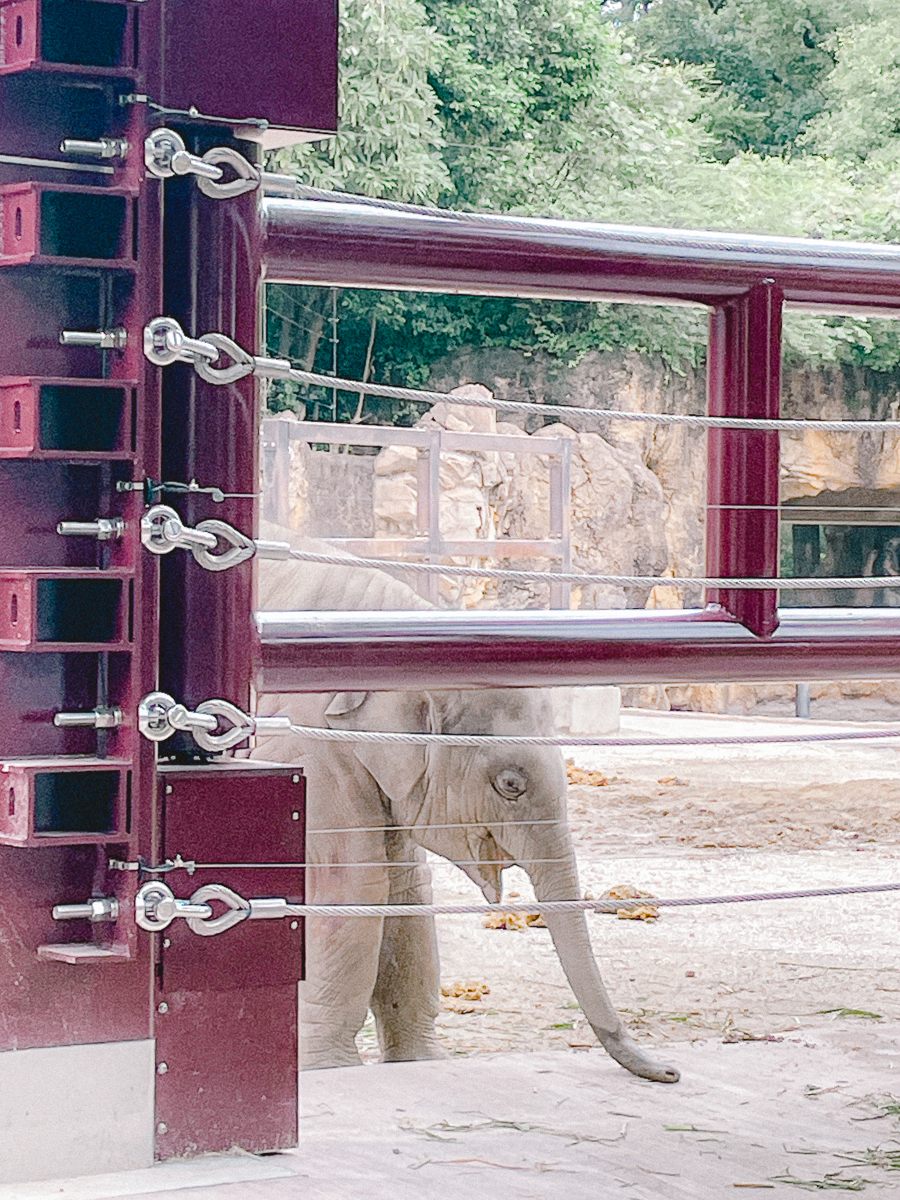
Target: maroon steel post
[91, 243]
[743, 380]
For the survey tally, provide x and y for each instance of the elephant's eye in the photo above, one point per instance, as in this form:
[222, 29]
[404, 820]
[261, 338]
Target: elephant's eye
[510, 783]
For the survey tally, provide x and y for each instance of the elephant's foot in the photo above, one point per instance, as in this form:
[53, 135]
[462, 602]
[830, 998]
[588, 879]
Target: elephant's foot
[620, 1047]
[319, 1059]
[412, 1051]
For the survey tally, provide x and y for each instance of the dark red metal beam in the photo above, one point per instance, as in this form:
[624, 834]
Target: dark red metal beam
[323, 242]
[743, 380]
[324, 652]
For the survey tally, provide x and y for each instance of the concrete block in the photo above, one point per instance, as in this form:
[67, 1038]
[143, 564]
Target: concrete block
[76, 1110]
[591, 711]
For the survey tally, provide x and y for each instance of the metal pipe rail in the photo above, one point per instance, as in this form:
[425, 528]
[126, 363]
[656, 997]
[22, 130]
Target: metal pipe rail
[346, 244]
[333, 651]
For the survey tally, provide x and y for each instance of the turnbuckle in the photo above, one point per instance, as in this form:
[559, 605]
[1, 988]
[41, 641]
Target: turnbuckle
[162, 531]
[160, 716]
[156, 907]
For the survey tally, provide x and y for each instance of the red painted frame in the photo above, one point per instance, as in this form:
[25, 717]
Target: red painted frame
[745, 280]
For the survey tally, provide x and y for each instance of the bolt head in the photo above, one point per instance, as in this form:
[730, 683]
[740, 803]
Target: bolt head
[162, 1068]
[295, 779]
[162, 1127]
[295, 924]
[295, 816]
[162, 1008]
[167, 942]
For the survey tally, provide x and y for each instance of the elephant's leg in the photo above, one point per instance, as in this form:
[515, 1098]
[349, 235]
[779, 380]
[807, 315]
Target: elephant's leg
[342, 964]
[341, 952]
[406, 999]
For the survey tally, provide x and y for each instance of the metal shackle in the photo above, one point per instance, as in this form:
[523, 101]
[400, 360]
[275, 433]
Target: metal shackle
[162, 531]
[156, 907]
[165, 342]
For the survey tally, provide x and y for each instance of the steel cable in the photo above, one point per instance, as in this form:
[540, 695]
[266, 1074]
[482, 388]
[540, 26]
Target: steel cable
[560, 411]
[563, 906]
[827, 583]
[489, 741]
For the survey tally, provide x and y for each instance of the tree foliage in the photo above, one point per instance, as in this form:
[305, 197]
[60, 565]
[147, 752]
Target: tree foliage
[778, 116]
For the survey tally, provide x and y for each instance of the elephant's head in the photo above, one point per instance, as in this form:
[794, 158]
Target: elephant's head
[486, 809]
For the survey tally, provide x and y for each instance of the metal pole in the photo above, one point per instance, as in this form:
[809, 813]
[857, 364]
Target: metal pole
[317, 652]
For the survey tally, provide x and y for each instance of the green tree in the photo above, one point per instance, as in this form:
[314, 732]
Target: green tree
[768, 60]
[776, 116]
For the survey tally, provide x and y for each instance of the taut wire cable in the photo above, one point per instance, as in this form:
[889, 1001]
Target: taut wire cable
[828, 583]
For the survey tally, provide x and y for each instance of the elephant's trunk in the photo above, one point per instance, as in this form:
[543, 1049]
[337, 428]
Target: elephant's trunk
[559, 881]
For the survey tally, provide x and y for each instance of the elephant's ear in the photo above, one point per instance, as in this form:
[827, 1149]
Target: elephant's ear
[398, 770]
[345, 703]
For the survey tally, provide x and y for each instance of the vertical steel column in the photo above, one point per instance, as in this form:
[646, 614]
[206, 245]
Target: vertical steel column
[211, 282]
[744, 371]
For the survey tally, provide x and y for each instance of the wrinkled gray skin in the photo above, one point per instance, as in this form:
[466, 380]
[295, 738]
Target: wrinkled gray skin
[391, 965]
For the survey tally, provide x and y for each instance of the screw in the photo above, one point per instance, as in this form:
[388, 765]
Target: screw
[162, 1068]
[295, 816]
[295, 924]
[162, 1008]
[162, 1127]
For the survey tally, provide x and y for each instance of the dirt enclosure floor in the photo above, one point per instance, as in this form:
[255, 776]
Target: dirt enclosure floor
[703, 821]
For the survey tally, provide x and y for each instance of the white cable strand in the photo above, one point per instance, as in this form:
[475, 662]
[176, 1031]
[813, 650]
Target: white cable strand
[450, 825]
[489, 741]
[305, 866]
[560, 411]
[563, 906]
[827, 583]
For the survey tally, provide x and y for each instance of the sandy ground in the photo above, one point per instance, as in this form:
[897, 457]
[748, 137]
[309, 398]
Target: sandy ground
[703, 821]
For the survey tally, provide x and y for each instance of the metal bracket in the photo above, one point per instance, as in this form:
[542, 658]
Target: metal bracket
[166, 155]
[162, 532]
[152, 490]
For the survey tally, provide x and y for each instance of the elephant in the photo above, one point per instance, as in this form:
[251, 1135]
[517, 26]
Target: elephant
[373, 812]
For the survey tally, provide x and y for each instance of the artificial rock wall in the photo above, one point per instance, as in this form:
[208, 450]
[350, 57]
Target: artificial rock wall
[638, 490]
